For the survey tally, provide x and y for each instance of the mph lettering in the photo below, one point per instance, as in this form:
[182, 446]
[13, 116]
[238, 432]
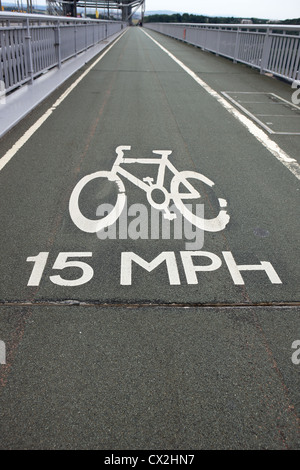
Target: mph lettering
[210, 262]
[190, 268]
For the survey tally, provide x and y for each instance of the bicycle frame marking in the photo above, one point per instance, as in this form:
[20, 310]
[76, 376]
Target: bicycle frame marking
[163, 163]
[147, 184]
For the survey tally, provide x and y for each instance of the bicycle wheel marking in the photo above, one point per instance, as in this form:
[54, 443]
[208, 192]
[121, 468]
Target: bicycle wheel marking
[212, 225]
[89, 225]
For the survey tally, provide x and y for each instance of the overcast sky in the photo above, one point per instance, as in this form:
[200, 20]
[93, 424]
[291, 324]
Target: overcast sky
[270, 9]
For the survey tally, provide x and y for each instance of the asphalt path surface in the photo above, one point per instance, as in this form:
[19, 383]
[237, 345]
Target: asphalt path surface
[139, 336]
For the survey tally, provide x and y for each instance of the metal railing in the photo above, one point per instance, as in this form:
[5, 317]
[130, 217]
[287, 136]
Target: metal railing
[269, 48]
[33, 44]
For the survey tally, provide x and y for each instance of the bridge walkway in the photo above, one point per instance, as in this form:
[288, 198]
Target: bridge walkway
[151, 340]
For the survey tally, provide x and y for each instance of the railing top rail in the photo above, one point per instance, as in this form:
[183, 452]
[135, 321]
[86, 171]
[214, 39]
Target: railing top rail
[20, 17]
[282, 27]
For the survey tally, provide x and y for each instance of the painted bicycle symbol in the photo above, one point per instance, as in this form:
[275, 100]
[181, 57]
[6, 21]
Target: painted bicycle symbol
[152, 188]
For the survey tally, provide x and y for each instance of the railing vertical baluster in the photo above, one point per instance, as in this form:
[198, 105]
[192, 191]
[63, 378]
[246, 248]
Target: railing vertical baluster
[28, 51]
[58, 44]
[218, 41]
[205, 38]
[85, 36]
[266, 51]
[4, 57]
[75, 39]
[237, 45]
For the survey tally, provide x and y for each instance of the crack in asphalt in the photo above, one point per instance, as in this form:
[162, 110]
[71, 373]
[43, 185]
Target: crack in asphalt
[144, 304]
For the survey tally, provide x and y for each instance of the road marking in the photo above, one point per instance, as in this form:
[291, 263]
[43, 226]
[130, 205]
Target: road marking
[180, 178]
[29, 133]
[290, 163]
[254, 117]
[190, 269]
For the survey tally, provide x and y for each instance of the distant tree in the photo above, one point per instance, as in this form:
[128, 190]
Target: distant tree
[293, 21]
[191, 18]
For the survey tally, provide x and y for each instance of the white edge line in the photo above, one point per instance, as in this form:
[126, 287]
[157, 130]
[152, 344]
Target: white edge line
[259, 134]
[29, 133]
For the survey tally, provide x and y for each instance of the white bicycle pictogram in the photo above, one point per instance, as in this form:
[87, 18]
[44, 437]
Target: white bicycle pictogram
[148, 185]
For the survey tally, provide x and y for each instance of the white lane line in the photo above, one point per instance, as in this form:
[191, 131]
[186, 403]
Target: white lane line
[258, 133]
[29, 133]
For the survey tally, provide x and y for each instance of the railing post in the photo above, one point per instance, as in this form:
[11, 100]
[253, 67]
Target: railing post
[237, 45]
[75, 38]
[58, 44]
[85, 35]
[205, 38]
[266, 51]
[28, 51]
[218, 42]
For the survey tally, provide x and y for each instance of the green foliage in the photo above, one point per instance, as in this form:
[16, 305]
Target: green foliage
[188, 18]
[191, 18]
[293, 21]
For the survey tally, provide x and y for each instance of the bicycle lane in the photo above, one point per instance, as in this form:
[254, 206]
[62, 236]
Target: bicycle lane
[123, 102]
[143, 106]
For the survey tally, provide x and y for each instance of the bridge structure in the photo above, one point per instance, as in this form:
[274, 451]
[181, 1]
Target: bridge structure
[149, 236]
[127, 8]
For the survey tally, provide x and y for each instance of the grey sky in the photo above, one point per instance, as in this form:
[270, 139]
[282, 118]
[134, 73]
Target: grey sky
[272, 9]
